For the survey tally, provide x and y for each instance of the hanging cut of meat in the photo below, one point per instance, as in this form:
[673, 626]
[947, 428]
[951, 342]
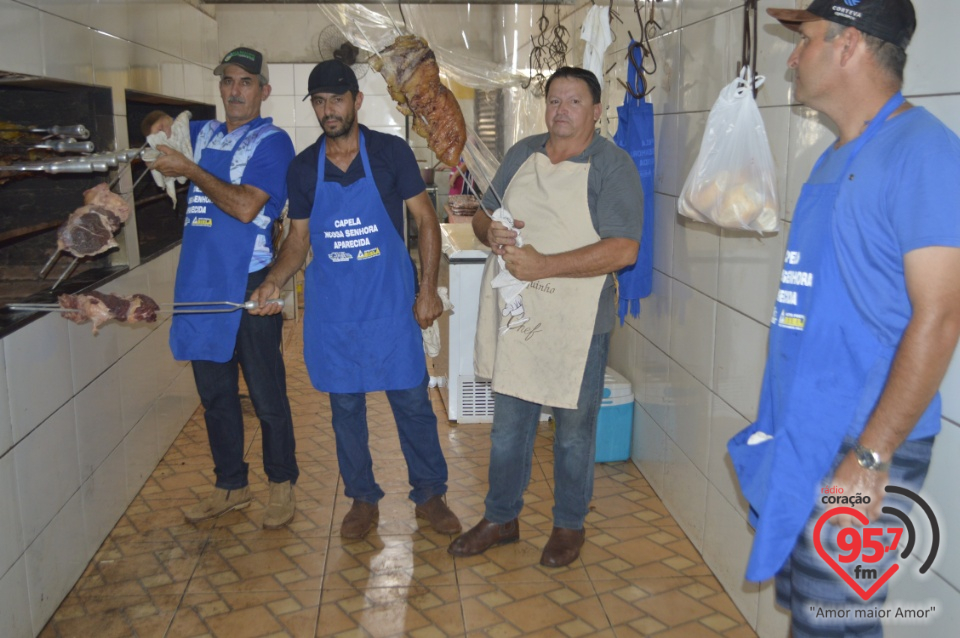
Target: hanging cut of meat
[102, 197]
[99, 308]
[413, 79]
[90, 229]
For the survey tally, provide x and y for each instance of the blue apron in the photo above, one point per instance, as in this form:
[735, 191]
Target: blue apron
[214, 263]
[813, 385]
[359, 333]
[635, 136]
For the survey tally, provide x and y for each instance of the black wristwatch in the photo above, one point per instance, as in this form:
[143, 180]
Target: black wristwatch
[870, 460]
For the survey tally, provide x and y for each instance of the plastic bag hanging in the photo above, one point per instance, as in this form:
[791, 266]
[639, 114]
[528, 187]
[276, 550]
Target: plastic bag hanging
[733, 182]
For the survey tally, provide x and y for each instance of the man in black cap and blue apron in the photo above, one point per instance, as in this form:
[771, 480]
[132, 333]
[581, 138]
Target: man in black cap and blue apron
[577, 200]
[865, 323]
[237, 191]
[363, 313]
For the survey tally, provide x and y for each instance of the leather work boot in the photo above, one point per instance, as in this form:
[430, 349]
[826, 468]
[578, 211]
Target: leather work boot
[220, 502]
[359, 520]
[563, 547]
[440, 517]
[483, 536]
[282, 505]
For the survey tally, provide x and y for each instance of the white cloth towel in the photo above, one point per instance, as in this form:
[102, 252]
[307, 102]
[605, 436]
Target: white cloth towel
[506, 284]
[431, 334]
[596, 32]
[178, 140]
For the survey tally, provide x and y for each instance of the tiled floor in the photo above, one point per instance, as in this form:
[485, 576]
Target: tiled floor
[156, 575]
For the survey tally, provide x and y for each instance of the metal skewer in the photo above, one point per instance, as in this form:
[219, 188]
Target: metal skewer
[67, 272]
[172, 308]
[126, 166]
[56, 255]
[177, 307]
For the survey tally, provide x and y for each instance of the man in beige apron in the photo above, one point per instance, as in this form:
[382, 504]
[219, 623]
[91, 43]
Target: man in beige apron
[577, 203]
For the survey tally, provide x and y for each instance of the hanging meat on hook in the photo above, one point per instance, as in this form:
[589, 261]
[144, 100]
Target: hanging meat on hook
[89, 230]
[99, 308]
[413, 79]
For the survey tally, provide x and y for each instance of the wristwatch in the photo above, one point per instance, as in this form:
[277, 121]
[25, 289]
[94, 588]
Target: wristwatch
[870, 460]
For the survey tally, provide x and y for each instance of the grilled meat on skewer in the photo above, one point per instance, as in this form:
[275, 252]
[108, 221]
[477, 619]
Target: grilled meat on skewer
[99, 308]
[90, 229]
[413, 79]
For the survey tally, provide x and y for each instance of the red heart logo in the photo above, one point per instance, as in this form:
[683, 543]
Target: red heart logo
[860, 516]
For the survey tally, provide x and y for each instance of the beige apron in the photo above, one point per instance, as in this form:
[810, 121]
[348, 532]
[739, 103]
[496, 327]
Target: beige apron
[536, 349]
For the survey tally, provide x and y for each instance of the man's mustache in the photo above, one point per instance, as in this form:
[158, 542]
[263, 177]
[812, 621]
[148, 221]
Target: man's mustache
[234, 99]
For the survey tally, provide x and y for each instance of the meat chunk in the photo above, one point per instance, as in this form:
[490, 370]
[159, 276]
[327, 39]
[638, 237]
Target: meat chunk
[99, 308]
[102, 197]
[88, 231]
[413, 80]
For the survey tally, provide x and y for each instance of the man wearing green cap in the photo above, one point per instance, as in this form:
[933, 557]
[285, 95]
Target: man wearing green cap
[238, 189]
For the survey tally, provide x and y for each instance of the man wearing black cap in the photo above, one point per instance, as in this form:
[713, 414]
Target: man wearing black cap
[864, 327]
[364, 312]
[237, 191]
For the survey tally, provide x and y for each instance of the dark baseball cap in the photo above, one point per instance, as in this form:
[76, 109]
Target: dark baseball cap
[331, 76]
[249, 60]
[892, 21]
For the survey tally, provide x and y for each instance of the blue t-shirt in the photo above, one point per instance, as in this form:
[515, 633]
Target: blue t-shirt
[261, 160]
[902, 194]
[394, 166]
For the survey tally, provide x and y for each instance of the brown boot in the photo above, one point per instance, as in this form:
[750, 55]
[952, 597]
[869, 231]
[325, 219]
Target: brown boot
[483, 536]
[563, 547]
[359, 520]
[441, 519]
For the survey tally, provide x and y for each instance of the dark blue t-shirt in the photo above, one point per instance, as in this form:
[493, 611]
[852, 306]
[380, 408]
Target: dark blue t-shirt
[394, 167]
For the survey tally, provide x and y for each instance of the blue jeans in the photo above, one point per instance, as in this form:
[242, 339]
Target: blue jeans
[515, 423]
[257, 353]
[419, 441]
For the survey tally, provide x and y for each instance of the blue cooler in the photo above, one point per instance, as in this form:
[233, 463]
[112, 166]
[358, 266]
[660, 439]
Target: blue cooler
[615, 424]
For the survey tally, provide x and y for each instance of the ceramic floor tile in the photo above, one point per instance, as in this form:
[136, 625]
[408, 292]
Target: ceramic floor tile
[157, 575]
[113, 616]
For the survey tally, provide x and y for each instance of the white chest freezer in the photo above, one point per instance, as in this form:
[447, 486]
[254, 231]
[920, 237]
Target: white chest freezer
[467, 399]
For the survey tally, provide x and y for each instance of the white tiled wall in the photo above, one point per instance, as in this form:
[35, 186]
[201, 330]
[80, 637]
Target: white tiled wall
[79, 426]
[695, 356]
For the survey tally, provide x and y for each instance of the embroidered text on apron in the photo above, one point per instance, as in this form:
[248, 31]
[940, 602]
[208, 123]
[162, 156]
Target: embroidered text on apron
[214, 262]
[538, 350]
[813, 382]
[359, 334]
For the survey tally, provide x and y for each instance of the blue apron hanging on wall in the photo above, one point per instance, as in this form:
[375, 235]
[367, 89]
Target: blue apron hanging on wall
[359, 332]
[820, 354]
[635, 136]
[214, 263]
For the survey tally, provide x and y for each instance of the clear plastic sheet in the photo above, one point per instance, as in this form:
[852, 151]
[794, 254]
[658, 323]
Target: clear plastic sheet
[373, 31]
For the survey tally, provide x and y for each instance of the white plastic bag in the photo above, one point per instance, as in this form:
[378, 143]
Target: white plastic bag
[733, 182]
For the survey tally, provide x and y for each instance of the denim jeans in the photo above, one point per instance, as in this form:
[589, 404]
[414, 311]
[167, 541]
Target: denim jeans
[257, 354]
[419, 441]
[515, 423]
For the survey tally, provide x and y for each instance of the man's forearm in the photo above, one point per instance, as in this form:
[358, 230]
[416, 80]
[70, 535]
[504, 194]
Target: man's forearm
[240, 201]
[481, 226]
[915, 376]
[604, 257]
[289, 260]
[428, 245]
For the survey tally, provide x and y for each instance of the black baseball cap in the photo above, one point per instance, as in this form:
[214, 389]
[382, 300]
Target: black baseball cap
[892, 21]
[331, 76]
[249, 60]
